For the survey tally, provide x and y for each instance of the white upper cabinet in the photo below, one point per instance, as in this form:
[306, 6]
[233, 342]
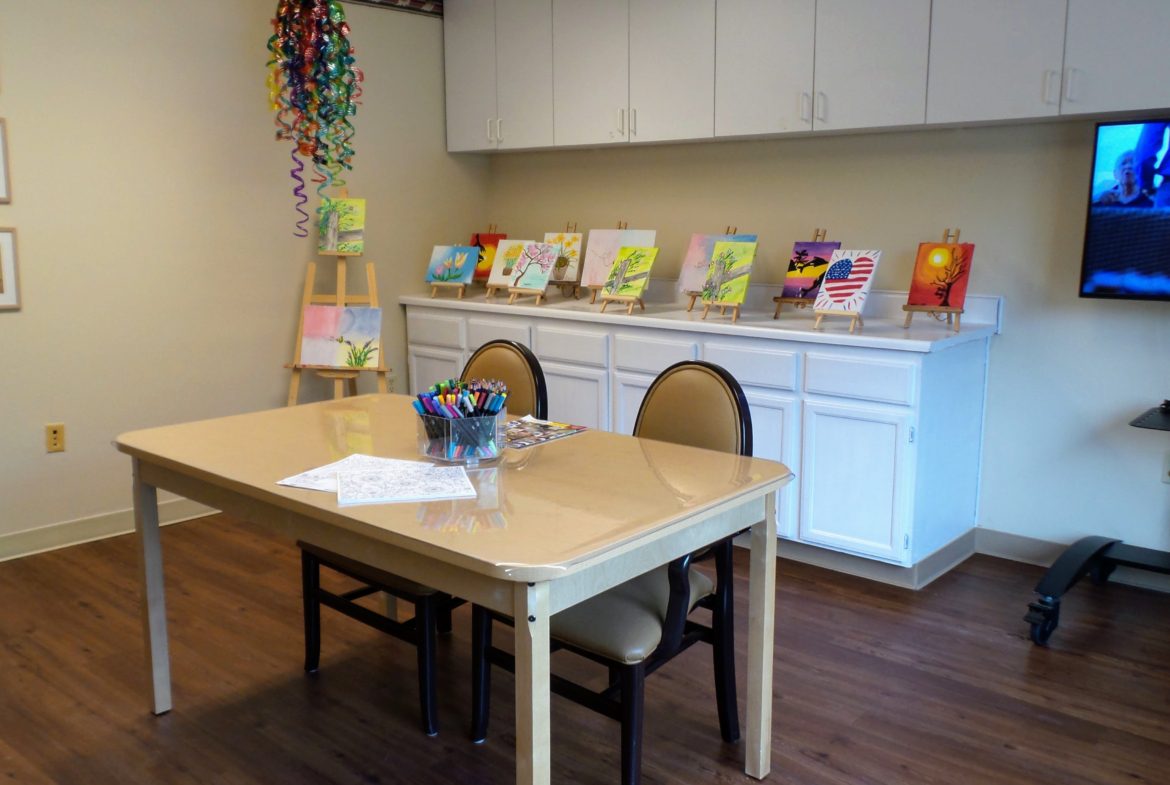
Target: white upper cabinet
[764, 66]
[469, 54]
[995, 59]
[870, 63]
[1115, 56]
[524, 84]
[672, 70]
[498, 68]
[591, 71]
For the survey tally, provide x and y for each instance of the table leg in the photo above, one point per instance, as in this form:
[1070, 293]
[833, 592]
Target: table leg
[154, 605]
[761, 632]
[533, 737]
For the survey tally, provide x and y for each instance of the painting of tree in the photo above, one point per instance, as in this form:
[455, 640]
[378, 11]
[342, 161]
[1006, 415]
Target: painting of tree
[941, 273]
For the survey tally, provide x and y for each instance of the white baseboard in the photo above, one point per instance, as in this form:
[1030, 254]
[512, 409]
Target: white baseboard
[97, 527]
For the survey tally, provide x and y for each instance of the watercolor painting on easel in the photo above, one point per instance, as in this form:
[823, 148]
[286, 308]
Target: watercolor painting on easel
[341, 226]
[534, 266]
[941, 272]
[336, 337]
[452, 264]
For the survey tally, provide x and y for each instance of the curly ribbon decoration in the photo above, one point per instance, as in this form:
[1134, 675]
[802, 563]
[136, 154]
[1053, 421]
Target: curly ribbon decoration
[313, 87]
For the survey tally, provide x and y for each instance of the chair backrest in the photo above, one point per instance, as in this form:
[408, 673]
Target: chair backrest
[516, 366]
[699, 404]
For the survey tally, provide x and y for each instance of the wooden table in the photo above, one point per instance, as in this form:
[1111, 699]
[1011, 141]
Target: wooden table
[562, 522]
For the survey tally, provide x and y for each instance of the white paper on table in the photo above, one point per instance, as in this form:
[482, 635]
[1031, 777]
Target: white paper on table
[324, 478]
[419, 482]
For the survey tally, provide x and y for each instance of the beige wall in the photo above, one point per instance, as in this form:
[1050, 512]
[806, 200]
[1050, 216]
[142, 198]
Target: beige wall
[160, 277]
[1066, 375]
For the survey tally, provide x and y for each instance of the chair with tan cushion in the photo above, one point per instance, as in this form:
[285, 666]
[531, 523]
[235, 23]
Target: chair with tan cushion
[506, 361]
[637, 627]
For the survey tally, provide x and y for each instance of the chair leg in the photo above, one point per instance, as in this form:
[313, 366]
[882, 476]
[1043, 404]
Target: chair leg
[424, 621]
[310, 585]
[481, 672]
[443, 612]
[723, 646]
[633, 692]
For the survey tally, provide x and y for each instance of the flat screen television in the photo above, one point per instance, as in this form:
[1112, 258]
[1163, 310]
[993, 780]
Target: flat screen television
[1127, 233]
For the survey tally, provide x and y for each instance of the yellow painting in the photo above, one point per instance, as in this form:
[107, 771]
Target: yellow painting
[568, 265]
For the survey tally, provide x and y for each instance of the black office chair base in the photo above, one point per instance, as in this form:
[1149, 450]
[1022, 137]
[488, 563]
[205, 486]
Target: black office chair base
[1094, 557]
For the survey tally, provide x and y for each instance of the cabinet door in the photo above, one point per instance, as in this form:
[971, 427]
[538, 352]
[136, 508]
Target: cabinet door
[870, 63]
[1115, 56]
[994, 59]
[524, 68]
[429, 364]
[628, 391]
[591, 71]
[764, 66]
[469, 55]
[672, 70]
[577, 394]
[856, 479]
[775, 436]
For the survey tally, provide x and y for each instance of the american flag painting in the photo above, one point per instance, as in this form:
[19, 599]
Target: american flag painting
[847, 281]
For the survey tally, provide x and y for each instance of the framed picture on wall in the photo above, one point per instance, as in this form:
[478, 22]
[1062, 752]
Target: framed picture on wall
[9, 283]
[5, 191]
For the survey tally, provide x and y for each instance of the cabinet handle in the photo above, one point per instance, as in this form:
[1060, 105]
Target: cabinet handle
[822, 107]
[489, 130]
[1071, 94]
[1051, 79]
[499, 129]
[633, 122]
[805, 108]
[621, 122]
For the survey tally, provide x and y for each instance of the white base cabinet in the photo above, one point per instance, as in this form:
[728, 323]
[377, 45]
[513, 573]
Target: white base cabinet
[884, 436]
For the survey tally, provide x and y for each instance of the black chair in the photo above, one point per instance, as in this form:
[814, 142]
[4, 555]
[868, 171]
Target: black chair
[516, 366]
[635, 628]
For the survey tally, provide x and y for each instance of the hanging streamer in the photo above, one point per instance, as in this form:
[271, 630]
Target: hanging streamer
[313, 87]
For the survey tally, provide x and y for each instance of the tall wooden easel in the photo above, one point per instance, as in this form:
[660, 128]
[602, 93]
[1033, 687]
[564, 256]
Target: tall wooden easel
[954, 315]
[344, 379]
[800, 302]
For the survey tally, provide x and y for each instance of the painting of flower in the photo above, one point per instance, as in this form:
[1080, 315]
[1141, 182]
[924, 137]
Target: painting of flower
[535, 265]
[452, 264]
[336, 337]
[567, 268]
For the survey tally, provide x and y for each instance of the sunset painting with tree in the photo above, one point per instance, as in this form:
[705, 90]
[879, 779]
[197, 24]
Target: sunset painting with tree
[941, 272]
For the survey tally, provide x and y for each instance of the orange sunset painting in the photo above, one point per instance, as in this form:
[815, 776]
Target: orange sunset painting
[940, 275]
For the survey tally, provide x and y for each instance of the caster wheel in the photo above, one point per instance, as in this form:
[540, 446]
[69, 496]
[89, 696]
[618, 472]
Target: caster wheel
[1043, 617]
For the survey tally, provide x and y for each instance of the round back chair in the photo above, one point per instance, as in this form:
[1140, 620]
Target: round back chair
[515, 365]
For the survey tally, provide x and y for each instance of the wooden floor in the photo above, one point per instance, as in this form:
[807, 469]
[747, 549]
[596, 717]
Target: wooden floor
[874, 685]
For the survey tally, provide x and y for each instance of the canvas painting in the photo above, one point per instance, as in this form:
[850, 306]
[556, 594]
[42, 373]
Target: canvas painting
[341, 227]
[535, 266]
[336, 337]
[847, 281]
[941, 272]
[630, 271]
[452, 264]
[602, 250]
[727, 274]
[807, 268]
[9, 288]
[693, 273]
[507, 256]
[487, 244]
[567, 268]
[5, 192]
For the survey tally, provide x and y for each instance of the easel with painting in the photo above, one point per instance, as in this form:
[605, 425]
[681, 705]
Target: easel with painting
[569, 288]
[594, 291]
[953, 315]
[730, 230]
[800, 302]
[344, 379]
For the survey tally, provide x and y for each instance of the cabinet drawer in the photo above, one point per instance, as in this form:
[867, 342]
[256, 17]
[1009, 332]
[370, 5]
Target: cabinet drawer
[583, 347]
[480, 331]
[852, 377]
[754, 367]
[650, 355]
[434, 329]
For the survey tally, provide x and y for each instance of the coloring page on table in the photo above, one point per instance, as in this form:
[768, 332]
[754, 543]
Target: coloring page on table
[603, 247]
[534, 266]
[336, 337]
[452, 264]
[807, 268]
[508, 253]
[847, 281]
[486, 243]
[727, 275]
[568, 265]
[941, 272]
[630, 272]
[697, 260]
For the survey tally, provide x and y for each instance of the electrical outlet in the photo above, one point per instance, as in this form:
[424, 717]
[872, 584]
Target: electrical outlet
[55, 437]
[1166, 468]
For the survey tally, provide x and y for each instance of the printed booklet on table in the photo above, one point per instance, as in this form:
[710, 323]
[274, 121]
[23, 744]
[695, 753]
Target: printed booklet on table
[529, 431]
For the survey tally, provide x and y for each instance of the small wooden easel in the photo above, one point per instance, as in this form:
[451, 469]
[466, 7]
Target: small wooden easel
[696, 295]
[799, 302]
[855, 320]
[519, 291]
[954, 315]
[343, 378]
[571, 288]
[629, 300]
[722, 309]
[447, 285]
[593, 292]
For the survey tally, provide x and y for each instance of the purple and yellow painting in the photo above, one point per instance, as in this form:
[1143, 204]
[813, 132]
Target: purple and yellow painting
[807, 268]
[336, 337]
